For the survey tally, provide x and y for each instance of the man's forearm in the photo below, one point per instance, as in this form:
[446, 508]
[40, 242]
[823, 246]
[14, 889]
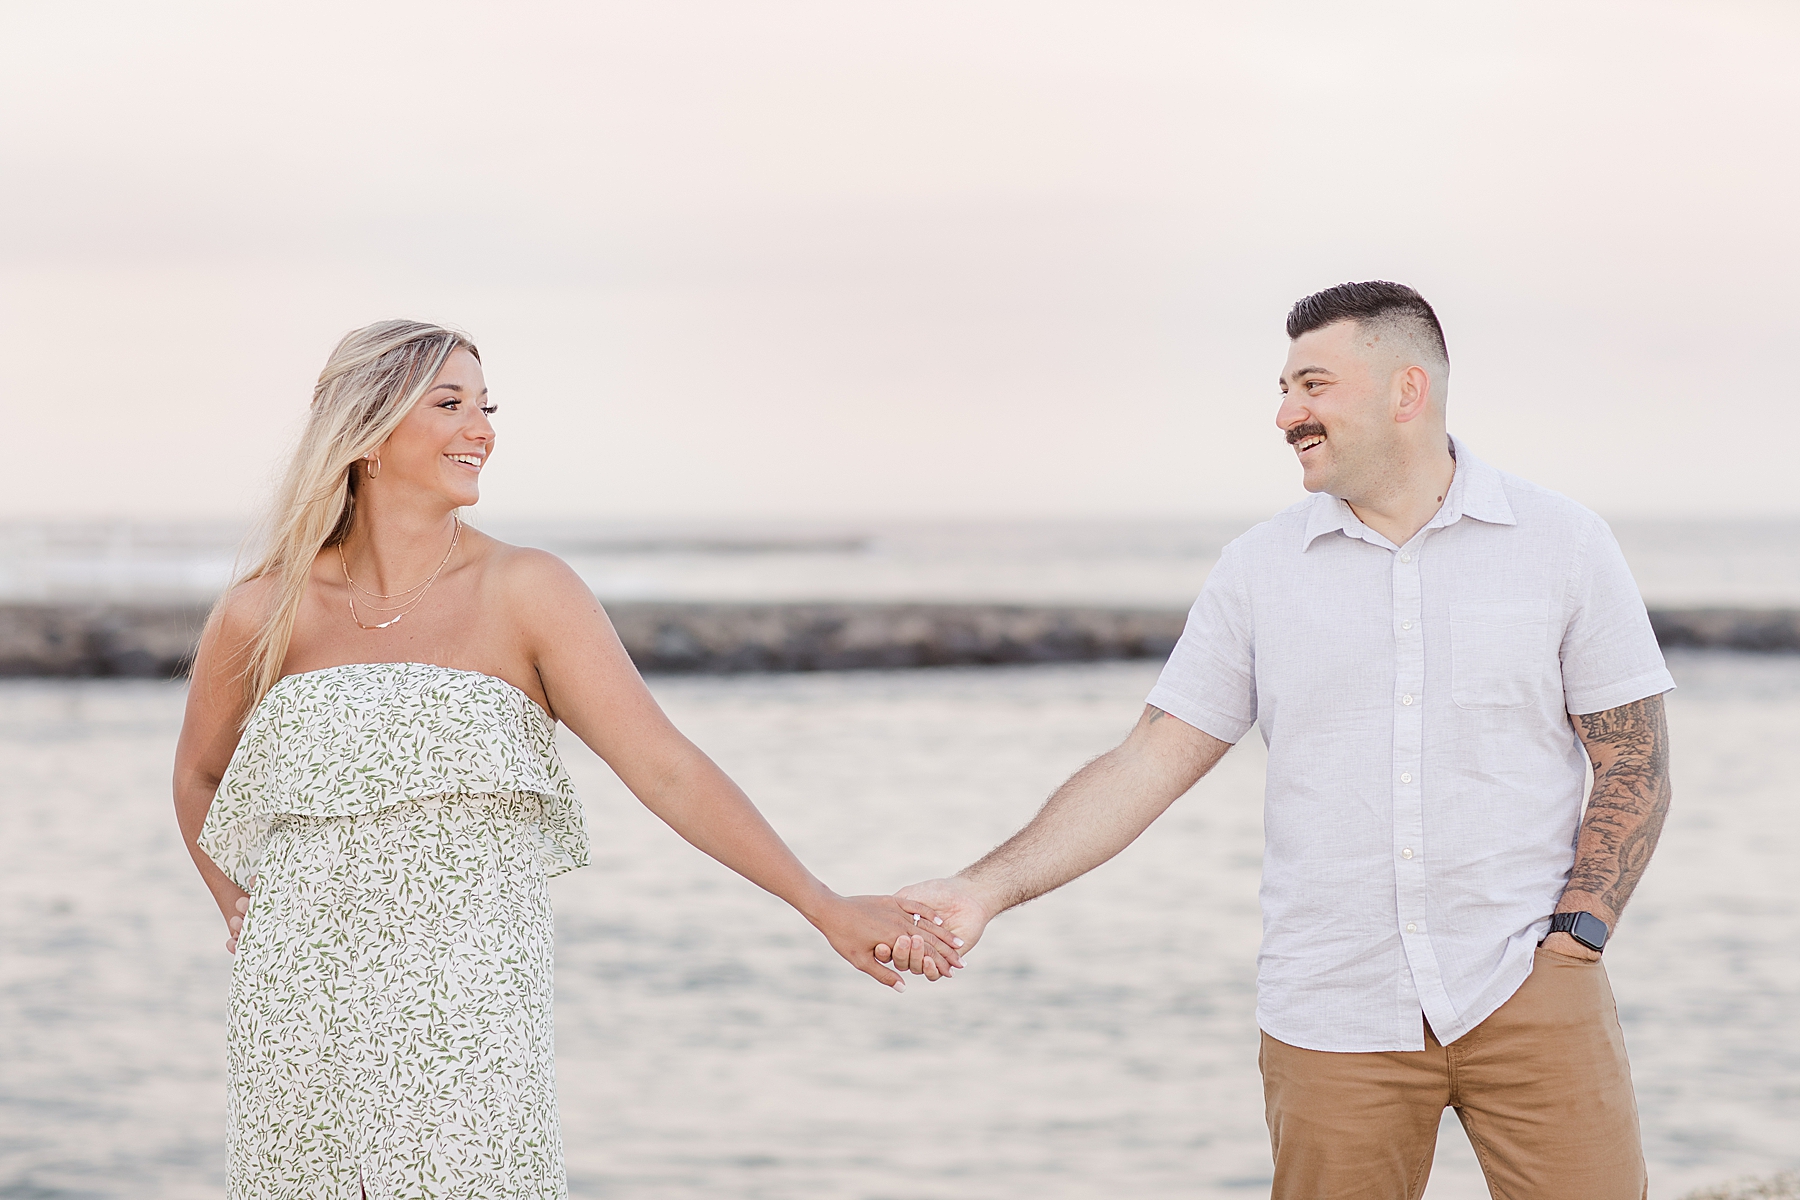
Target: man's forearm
[1098, 812]
[1629, 746]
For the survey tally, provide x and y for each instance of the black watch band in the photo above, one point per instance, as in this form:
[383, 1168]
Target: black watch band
[1585, 928]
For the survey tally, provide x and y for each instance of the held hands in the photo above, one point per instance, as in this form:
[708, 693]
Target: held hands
[944, 919]
[869, 931]
[962, 906]
[948, 910]
[909, 952]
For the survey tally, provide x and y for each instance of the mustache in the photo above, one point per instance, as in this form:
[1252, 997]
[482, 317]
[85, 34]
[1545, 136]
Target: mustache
[1300, 432]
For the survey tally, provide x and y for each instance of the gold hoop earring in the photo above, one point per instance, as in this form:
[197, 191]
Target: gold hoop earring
[373, 468]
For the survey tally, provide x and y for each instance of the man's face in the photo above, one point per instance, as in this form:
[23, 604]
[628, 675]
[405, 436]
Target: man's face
[1335, 412]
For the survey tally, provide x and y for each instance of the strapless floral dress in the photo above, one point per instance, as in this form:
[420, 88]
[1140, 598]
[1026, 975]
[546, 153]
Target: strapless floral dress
[390, 1015]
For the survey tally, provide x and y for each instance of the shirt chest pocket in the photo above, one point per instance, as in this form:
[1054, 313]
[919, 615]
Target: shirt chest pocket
[1498, 656]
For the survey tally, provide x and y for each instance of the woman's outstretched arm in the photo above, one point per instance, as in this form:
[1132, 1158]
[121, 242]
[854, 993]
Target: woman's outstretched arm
[596, 691]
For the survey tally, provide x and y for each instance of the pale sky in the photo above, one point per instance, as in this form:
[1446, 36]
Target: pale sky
[842, 260]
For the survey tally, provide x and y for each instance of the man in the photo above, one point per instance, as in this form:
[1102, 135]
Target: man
[1427, 645]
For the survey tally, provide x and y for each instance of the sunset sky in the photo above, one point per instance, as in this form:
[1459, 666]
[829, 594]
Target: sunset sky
[850, 260]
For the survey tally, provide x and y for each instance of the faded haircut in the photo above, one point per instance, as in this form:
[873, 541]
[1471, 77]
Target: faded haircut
[1376, 304]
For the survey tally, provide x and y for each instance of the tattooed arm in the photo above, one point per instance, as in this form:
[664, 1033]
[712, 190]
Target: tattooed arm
[1097, 813]
[1629, 746]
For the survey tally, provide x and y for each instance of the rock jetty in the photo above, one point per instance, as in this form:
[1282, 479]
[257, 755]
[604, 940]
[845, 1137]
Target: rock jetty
[1764, 630]
[150, 641]
[835, 637]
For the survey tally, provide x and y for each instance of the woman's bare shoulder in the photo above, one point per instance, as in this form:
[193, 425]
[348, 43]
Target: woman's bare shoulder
[232, 627]
[526, 574]
[242, 611]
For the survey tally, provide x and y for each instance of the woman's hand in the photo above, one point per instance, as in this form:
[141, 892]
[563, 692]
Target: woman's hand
[235, 911]
[869, 931]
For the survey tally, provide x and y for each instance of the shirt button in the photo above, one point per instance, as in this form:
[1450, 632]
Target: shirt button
[1406, 699]
[1406, 777]
[1406, 624]
[1406, 852]
[1406, 558]
[1411, 928]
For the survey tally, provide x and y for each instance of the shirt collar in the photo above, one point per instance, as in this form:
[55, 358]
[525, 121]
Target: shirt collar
[1476, 491]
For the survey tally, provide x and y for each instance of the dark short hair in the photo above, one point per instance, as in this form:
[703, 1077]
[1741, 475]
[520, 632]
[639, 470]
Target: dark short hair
[1374, 302]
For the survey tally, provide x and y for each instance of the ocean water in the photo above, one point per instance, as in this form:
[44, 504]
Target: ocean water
[1102, 1042]
[1152, 564]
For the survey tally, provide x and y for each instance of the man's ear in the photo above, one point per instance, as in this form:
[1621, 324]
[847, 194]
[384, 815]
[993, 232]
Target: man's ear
[1412, 394]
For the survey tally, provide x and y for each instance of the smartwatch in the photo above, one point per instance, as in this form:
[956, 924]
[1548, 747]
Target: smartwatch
[1585, 928]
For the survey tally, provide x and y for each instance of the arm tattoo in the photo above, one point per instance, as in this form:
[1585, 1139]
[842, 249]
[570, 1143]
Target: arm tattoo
[1629, 746]
[1156, 714]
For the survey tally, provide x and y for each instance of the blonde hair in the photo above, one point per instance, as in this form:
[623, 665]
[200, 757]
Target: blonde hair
[371, 381]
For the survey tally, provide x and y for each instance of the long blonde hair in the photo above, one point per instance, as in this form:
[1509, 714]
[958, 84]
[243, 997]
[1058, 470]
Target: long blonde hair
[371, 381]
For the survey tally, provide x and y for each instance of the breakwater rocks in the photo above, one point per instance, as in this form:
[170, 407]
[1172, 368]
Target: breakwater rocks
[836, 637]
[146, 641]
[150, 641]
[133, 641]
[1764, 630]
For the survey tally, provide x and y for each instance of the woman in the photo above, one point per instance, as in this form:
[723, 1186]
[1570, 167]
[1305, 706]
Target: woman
[369, 743]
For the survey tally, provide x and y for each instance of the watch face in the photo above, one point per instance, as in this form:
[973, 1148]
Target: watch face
[1589, 930]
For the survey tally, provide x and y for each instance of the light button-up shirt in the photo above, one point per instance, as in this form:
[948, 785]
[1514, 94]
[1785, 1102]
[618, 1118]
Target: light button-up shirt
[1425, 783]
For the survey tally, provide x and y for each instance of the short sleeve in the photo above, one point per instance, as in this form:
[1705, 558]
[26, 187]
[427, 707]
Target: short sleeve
[1609, 652]
[1210, 679]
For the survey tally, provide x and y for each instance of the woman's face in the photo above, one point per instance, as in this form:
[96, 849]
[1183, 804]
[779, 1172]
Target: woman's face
[445, 440]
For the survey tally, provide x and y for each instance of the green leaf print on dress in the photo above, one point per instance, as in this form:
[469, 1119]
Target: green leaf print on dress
[390, 1015]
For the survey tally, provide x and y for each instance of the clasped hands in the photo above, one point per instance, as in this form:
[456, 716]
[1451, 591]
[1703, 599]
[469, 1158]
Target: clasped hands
[924, 930]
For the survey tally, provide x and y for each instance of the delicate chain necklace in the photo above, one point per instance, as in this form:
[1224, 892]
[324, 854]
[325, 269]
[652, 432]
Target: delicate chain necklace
[404, 606]
[384, 595]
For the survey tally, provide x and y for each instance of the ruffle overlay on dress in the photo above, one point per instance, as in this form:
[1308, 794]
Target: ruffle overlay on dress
[351, 740]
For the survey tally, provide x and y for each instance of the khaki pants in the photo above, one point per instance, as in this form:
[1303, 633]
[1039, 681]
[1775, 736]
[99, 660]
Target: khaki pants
[1541, 1086]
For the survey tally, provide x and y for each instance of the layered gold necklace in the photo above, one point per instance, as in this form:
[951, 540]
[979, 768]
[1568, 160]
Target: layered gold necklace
[407, 597]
